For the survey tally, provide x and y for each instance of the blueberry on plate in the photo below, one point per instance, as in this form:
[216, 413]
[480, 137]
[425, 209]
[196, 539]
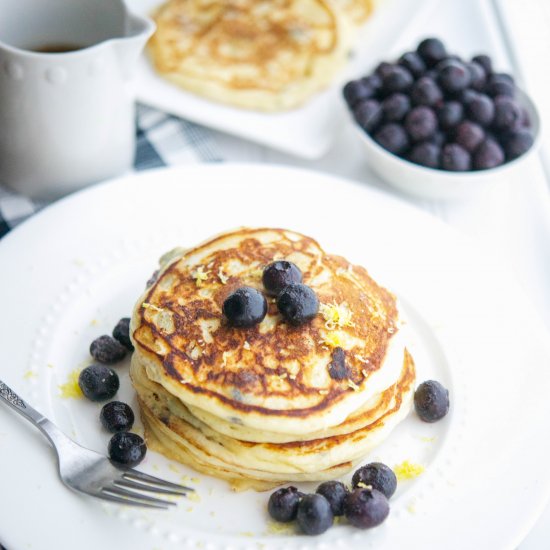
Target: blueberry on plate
[98, 382]
[107, 350]
[488, 155]
[366, 508]
[335, 492]
[245, 307]
[455, 158]
[298, 303]
[378, 476]
[314, 514]
[368, 114]
[383, 69]
[478, 76]
[426, 154]
[500, 87]
[469, 135]
[283, 504]
[279, 274]
[421, 123]
[516, 143]
[121, 332]
[392, 137]
[127, 449]
[432, 51]
[431, 401]
[117, 416]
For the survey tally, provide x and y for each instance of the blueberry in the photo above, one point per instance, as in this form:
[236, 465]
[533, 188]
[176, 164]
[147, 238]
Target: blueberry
[438, 139]
[467, 95]
[450, 114]
[245, 307]
[455, 158]
[107, 350]
[425, 91]
[488, 155]
[121, 332]
[485, 62]
[426, 154]
[500, 87]
[481, 109]
[378, 476]
[431, 401]
[374, 81]
[478, 76]
[356, 91]
[117, 416]
[279, 274]
[392, 137]
[368, 114]
[432, 51]
[395, 107]
[297, 303]
[454, 77]
[508, 113]
[127, 449]
[413, 63]
[314, 514]
[98, 382]
[335, 492]
[383, 69]
[516, 143]
[420, 123]
[366, 508]
[397, 79]
[469, 135]
[283, 504]
[337, 368]
[502, 77]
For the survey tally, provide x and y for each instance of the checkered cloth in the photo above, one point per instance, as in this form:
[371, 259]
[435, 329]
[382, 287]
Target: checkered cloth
[161, 140]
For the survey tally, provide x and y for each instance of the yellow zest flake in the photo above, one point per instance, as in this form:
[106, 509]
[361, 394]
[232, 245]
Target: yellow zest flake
[222, 276]
[365, 373]
[153, 307]
[361, 359]
[276, 528]
[407, 470]
[225, 355]
[411, 507]
[323, 392]
[200, 275]
[336, 315]
[427, 439]
[71, 389]
[246, 345]
[332, 340]
[364, 486]
[247, 534]
[30, 374]
[194, 497]
[353, 385]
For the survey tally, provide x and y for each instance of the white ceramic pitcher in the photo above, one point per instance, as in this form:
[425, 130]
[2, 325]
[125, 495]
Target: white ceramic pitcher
[66, 119]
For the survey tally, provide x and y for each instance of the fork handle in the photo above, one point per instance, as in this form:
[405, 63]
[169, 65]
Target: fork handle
[48, 428]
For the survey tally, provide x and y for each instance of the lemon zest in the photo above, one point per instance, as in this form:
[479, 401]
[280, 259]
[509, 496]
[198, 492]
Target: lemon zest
[200, 275]
[408, 470]
[336, 315]
[71, 389]
[222, 276]
[332, 340]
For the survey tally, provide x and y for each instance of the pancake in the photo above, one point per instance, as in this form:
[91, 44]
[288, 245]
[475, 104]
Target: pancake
[180, 435]
[264, 55]
[272, 376]
[358, 11]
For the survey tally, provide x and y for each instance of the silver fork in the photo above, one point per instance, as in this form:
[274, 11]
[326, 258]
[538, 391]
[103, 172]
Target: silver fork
[89, 472]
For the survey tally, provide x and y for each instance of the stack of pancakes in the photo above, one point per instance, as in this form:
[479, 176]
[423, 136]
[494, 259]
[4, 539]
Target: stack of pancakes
[258, 54]
[272, 403]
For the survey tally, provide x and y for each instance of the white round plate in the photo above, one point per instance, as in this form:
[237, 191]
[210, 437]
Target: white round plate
[74, 269]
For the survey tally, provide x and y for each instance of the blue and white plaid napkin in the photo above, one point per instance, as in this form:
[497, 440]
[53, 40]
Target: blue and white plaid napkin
[161, 140]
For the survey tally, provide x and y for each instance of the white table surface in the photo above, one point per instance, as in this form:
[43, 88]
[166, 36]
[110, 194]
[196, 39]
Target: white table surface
[511, 222]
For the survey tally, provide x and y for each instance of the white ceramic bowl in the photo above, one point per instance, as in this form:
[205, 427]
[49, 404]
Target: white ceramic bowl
[430, 183]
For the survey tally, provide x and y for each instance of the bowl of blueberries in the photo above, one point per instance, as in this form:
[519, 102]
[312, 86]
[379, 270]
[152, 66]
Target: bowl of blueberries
[437, 126]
